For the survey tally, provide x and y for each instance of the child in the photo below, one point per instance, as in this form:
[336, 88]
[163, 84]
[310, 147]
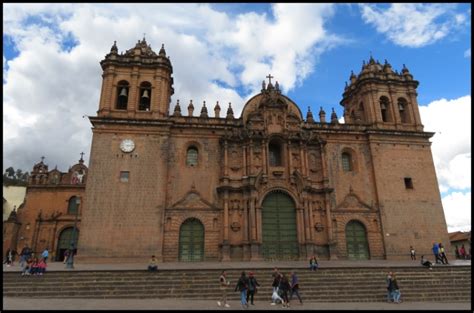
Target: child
[34, 267]
[42, 266]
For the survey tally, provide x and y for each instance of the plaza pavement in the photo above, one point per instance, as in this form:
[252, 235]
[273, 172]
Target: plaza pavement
[10, 303]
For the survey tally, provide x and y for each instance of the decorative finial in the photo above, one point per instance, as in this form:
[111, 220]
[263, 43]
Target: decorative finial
[190, 108]
[334, 117]
[230, 112]
[263, 85]
[177, 109]
[322, 115]
[204, 110]
[217, 110]
[277, 86]
[309, 116]
[162, 50]
[42, 158]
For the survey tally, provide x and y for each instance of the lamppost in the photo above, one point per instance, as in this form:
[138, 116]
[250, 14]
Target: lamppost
[70, 258]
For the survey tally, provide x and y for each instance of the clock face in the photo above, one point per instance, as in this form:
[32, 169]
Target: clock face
[127, 145]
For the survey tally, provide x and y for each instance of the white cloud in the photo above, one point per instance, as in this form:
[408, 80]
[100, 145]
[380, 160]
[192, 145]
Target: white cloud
[451, 144]
[457, 210]
[467, 53]
[414, 25]
[48, 88]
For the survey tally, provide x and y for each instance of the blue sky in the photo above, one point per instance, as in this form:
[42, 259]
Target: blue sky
[222, 52]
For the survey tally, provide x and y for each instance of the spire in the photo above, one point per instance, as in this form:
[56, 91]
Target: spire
[230, 112]
[405, 70]
[217, 110]
[277, 86]
[162, 50]
[81, 160]
[190, 108]
[322, 115]
[204, 110]
[352, 77]
[334, 117]
[309, 116]
[177, 109]
[263, 85]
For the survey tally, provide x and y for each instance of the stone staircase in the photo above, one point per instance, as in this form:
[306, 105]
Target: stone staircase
[442, 284]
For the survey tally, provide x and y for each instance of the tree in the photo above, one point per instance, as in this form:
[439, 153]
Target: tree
[10, 172]
[19, 174]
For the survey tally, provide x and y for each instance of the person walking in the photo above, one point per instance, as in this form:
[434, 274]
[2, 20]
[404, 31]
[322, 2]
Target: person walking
[242, 286]
[253, 283]
[9, 257]
[442, 254]
[412, 253]
[284, 287]
[395, 289]
[435, 250]
[275, 283]
[45, 255]
[223, 284]
[295, 287]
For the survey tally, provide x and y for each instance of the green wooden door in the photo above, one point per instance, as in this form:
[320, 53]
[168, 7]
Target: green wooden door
[64, 242]
[191, 240]
[356, 238]
[280, 241]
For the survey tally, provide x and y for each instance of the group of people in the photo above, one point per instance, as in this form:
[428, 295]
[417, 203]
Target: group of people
[248, 286]
[439, 254]
[461, 253]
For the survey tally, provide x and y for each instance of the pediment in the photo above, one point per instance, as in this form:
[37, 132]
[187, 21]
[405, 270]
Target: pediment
[353, 202]
[193, 200]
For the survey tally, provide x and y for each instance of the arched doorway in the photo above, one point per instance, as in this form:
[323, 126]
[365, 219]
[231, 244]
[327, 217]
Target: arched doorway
[64, 242]
[356, 239]
[279, 234]
[191, 240]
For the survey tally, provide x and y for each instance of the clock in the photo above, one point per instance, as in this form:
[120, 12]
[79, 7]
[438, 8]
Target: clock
[127, 145]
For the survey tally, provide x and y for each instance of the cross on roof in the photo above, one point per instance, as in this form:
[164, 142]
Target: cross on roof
[270, 79]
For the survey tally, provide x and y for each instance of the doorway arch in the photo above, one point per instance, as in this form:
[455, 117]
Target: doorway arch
[64, 242]
[191, 240]
[356, 240]
[279, 232]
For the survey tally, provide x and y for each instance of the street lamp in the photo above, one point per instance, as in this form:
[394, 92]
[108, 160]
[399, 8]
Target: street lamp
[70, 258]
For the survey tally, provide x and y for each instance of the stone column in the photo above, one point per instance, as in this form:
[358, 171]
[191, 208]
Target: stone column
[133, 93]
[250, 157]
[245, 227]
[331, 241]
[255, 251]
[264, 157]
[311, 220]
[289, 163]
[303, 167]
[226, 161]
[225, 243]
[305, 160]
[244, 159]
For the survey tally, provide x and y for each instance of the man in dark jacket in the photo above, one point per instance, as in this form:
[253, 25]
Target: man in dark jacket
[253, 283]
[242, 286]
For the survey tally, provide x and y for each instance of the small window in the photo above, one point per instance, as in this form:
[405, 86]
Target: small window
[408, 183]
[192, 156]
[72, 205]
[346, 162]
[124, 176]
[274, 150]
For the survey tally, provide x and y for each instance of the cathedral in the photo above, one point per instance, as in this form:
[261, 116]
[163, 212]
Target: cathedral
[271, 184]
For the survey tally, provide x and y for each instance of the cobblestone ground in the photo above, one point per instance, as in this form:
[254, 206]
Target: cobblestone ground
[179, 304]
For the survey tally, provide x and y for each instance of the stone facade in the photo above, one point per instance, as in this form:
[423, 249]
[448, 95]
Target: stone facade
[48, 212]
[365, 189]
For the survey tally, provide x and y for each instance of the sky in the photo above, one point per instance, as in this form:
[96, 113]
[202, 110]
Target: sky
[222, 52]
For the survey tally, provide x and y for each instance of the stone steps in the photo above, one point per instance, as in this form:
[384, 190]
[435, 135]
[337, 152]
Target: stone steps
[325, 285]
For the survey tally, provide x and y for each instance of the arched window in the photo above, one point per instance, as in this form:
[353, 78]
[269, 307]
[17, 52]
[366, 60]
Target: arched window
[145, 96]
[192, 156]
[346, 162]
[122, 95]
[384, 105]
[274, 153]
[402, 108]
[73, 205]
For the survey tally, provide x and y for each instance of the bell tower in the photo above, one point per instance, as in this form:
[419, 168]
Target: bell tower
[136, 84]
[382, 98]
